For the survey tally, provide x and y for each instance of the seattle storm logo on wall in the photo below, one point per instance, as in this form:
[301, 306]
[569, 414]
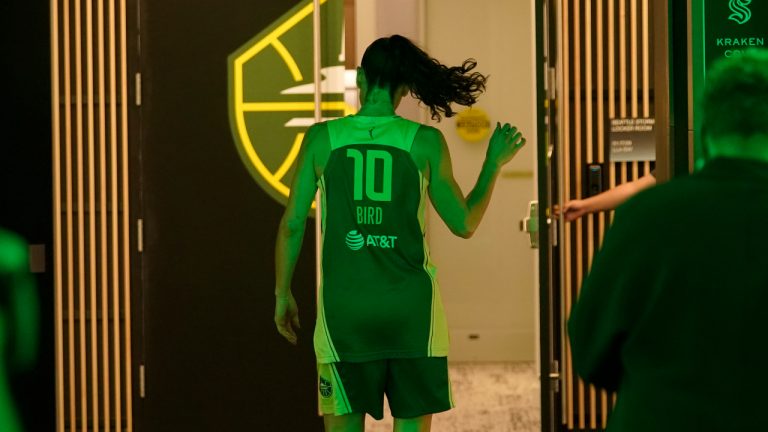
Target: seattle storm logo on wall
[271, 91]
[740, 8]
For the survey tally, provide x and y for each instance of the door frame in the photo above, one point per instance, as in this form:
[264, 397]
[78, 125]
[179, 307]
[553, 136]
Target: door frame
[545, 59]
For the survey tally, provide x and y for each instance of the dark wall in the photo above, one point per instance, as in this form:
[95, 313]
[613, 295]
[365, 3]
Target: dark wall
[26, 180]
[214, 359]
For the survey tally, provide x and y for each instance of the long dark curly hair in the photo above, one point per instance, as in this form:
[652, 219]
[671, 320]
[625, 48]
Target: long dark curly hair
[390, 62]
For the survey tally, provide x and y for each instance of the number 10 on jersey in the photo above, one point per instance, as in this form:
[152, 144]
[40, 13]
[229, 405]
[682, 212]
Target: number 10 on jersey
[366, 178]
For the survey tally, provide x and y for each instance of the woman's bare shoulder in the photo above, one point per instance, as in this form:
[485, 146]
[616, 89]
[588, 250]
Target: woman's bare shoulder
[428, 141]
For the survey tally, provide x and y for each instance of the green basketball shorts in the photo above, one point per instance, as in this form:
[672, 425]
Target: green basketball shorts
[414, 387]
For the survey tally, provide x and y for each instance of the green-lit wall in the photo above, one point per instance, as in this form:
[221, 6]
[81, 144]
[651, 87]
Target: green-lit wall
[721, 28]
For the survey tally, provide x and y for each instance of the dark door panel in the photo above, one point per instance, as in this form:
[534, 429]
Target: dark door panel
[213, 359]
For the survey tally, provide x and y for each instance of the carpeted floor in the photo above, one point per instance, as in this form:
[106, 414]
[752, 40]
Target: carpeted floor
[489, 397]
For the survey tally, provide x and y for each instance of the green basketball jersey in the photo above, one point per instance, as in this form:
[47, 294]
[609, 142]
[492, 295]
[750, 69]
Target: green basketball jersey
[378, 295]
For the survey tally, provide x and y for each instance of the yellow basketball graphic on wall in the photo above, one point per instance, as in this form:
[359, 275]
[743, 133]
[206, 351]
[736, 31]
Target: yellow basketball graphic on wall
[271, 91]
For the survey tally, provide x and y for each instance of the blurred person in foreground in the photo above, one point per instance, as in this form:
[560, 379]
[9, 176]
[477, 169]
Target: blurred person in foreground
[18, 322]
[672, 314]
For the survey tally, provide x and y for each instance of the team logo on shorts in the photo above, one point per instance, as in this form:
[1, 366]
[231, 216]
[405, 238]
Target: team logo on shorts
[326, 388]
[271, 91]
[355, 240]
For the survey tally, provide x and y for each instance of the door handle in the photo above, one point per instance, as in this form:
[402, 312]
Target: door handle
[530, 223]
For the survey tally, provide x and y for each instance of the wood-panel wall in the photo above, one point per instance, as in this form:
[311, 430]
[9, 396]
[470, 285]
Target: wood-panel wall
[607, 74]
[89, 76]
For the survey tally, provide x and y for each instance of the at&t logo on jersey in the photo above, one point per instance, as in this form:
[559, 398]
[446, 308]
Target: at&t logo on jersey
[356, 241]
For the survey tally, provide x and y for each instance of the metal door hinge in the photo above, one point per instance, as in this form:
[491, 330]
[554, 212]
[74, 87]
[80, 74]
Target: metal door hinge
[551, 83]
[140, 235]
[555, 233]
[142, 386]
[554, 375]
[37, 258]
[138, 88]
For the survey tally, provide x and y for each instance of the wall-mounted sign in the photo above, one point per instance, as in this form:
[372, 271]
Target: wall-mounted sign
[722, 28]
[473, 124]
[731, 26]
[271, 91]
[632, 139]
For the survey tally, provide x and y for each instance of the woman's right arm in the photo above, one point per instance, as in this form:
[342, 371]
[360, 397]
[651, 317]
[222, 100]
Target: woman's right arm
[290, 235]
[463, 214]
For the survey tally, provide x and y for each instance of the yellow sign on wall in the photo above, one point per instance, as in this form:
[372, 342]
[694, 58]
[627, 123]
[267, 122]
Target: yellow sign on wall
[473, 124]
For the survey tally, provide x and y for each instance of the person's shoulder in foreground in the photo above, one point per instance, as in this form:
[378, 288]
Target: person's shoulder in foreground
[13, 254]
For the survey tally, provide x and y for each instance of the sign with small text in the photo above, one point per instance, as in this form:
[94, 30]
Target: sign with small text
[632, 139]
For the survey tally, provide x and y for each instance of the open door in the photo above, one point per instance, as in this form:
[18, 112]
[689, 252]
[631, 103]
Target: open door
[212, 359]
[538, 222]
[595, 73]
